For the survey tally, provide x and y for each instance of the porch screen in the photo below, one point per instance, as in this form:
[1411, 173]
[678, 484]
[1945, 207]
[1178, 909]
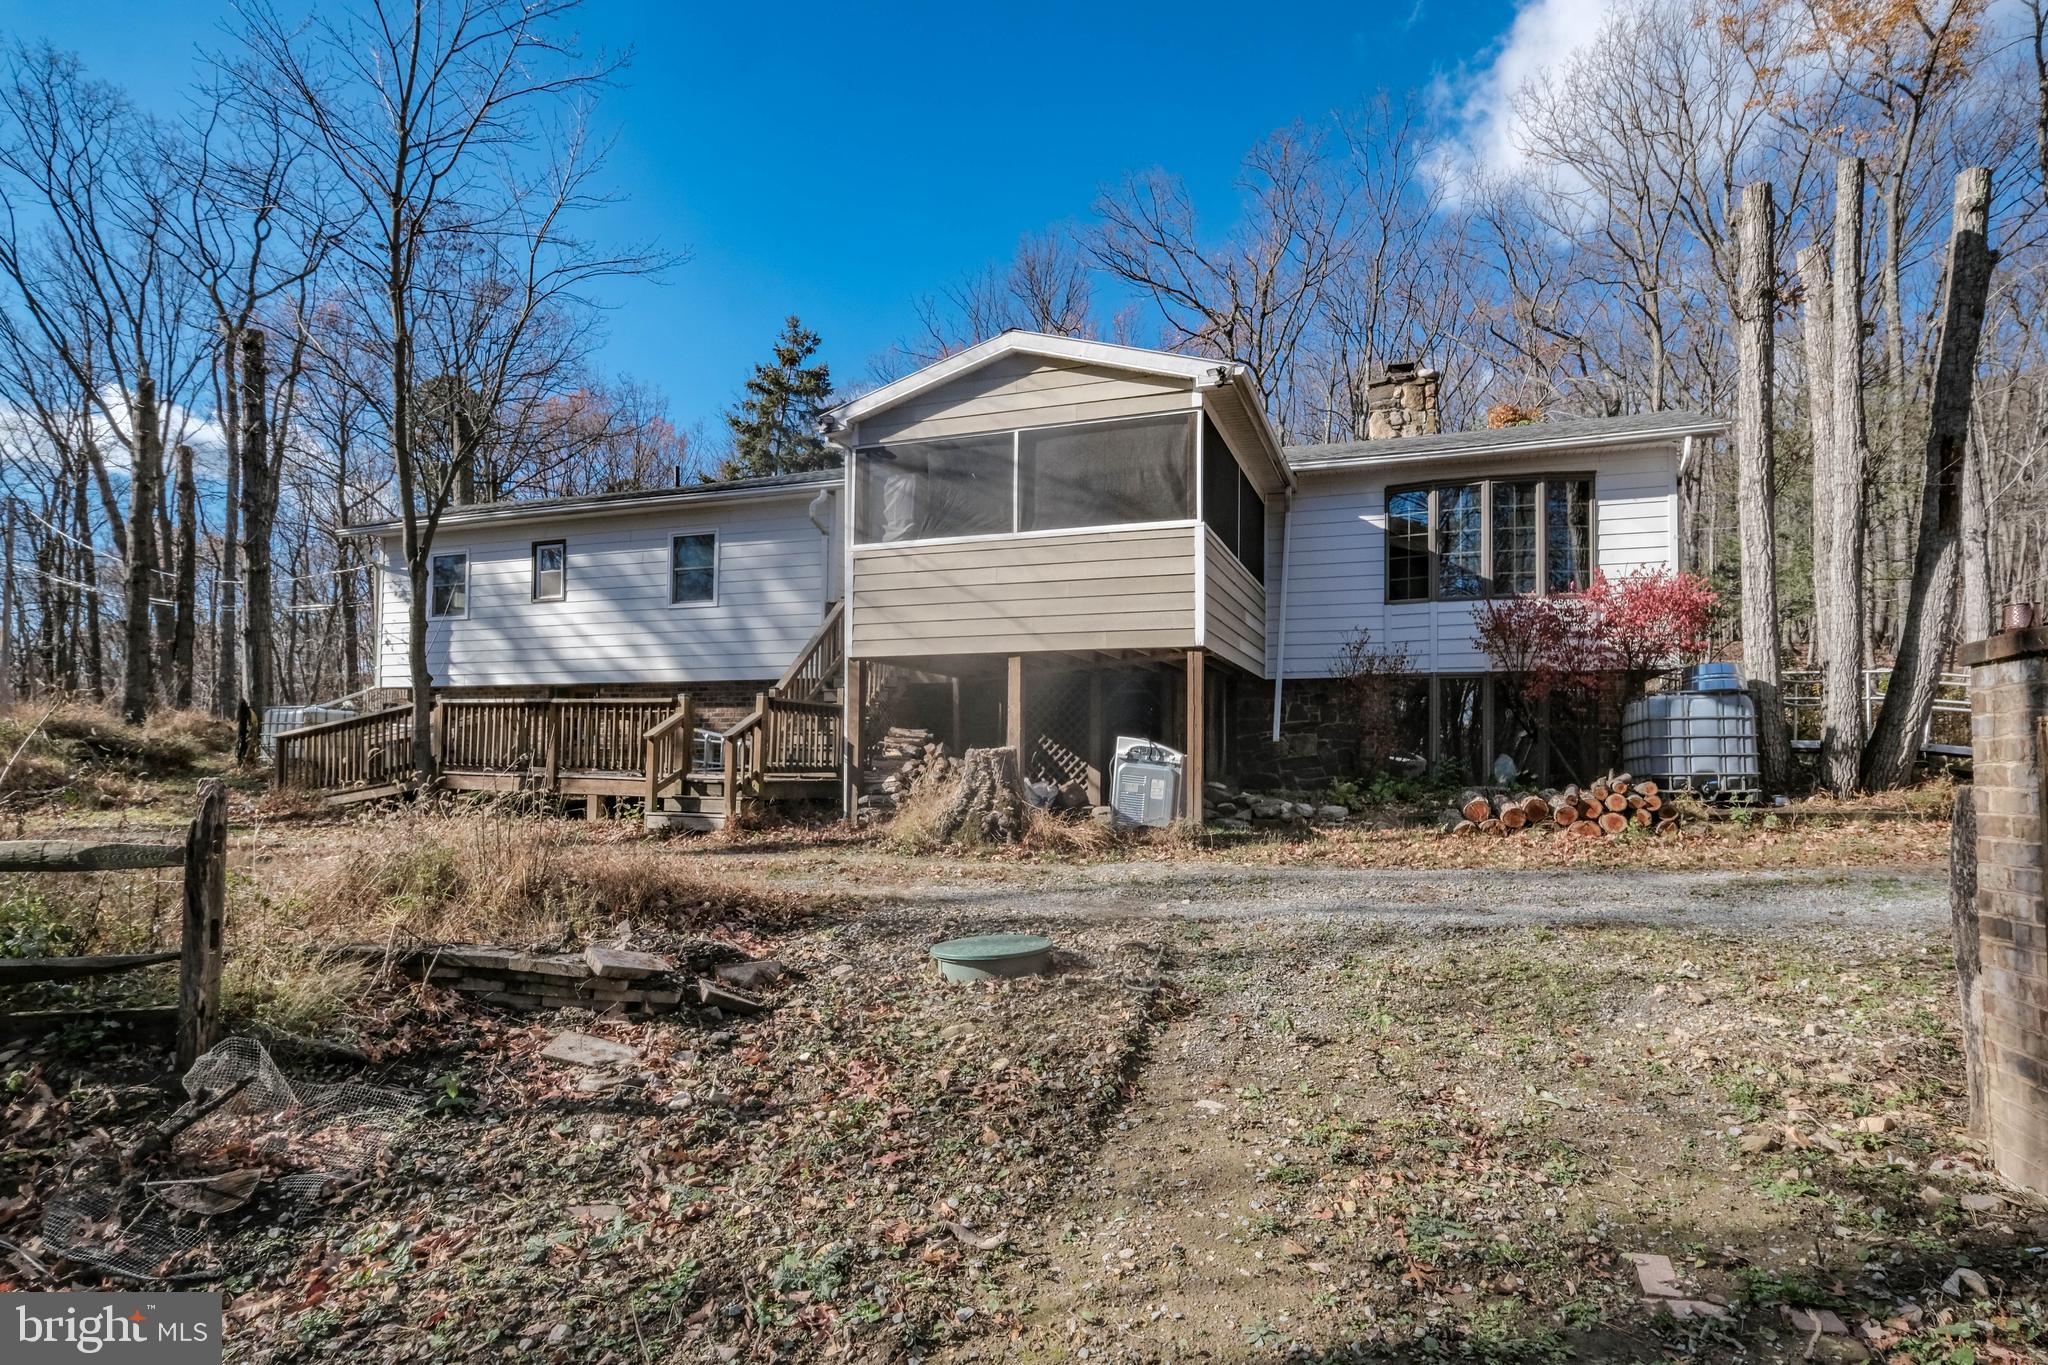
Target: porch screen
[921, 490]
[1105, 473]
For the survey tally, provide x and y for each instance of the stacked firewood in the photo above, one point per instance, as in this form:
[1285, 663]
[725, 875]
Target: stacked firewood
[904, 758]
[1611, 805]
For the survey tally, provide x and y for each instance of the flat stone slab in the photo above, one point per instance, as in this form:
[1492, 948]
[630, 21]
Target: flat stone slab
[753, 974]
[624, 964]
[581, 1049]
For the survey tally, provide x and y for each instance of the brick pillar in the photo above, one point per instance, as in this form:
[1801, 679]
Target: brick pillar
[2009, 998]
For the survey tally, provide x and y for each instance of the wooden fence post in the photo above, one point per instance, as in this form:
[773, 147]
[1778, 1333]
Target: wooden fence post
[206, 893]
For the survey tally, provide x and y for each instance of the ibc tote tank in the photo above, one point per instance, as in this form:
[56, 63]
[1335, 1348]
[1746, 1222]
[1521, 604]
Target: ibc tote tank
[1694, 741]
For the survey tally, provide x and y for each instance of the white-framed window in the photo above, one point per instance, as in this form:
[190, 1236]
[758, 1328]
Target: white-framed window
[550, 570]
[448, 585]
[693, 569]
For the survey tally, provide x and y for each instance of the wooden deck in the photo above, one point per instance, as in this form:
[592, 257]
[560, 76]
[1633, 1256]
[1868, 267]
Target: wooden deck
[644, 750]
[622, 752]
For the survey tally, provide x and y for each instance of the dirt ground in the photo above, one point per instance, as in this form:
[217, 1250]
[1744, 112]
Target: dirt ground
[1277, 1101]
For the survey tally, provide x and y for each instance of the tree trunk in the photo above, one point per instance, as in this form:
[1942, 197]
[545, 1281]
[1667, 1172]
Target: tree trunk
[1817, 330]
[163, 602]
[1841, 630]
[186, 630]
[138, 677]
[1756, 476]
[89, 574]
[1977, 592]
[1931, 606]
[227, 670]
[989, 805]
[258, 504]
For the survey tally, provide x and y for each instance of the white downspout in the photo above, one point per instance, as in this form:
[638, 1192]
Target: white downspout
[1280, 644]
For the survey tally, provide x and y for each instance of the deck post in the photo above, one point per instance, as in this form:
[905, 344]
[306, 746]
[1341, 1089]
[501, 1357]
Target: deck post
[205, 913]
[1196, 731]
[440, 738]
[1013, 710]
[732, 785]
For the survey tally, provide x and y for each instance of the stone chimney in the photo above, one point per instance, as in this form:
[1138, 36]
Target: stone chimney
[1401, 402]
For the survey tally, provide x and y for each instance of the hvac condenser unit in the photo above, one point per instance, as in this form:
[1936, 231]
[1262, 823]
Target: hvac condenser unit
[1145, 783]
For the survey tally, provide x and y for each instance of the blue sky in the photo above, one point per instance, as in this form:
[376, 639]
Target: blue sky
[837, 163]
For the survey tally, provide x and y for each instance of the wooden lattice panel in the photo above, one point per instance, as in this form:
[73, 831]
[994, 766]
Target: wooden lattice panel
[1056, 727]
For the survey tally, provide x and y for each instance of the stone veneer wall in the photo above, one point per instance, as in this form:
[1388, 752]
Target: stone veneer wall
[1318, 741]
[2006, 1000]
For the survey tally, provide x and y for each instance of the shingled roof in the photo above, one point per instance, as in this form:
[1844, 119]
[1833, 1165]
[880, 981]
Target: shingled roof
[1555, 433]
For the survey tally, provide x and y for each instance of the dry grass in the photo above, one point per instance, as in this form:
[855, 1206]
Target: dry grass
[80, 754]
[501, 877]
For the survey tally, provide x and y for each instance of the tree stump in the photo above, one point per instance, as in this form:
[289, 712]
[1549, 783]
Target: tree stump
[989, 805]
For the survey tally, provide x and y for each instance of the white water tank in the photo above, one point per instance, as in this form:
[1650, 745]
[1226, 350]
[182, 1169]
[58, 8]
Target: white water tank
[1703, 742]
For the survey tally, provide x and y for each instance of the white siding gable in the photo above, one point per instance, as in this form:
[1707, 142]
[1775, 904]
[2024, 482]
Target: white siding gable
[1337, 582]
[616, 624]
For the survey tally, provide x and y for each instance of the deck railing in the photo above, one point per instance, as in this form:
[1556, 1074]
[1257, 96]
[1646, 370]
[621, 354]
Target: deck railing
[818, 663]
[362, 751]
[491, 734]
[606, 734]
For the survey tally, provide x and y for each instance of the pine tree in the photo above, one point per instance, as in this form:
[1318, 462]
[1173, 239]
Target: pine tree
[775, 426]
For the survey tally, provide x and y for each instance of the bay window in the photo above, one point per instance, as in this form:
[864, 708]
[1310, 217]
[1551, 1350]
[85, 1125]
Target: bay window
[1481, 538]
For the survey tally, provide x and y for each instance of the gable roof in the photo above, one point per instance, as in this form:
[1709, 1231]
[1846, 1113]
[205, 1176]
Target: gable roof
[629, 500]
[1559, 433]
[1196, 371]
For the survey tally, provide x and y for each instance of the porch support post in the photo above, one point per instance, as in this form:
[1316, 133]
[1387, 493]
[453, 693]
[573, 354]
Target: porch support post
[854, 741]
[1013, 710]
[1095, 756]
[1196, 731]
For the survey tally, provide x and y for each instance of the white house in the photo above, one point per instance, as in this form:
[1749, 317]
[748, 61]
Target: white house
[1046, 542]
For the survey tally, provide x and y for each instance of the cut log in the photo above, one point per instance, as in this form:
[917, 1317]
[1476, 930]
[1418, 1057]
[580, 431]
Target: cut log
[1597, 792]
[1584, 829]
[1668, 825]
[1616, 802]
[1465, 827]
[1611, 823]
[1653, 802]
[1513, 817]
[1646, 789]
[1476, 808]
[1635, 803]
[1489, 826]
[1641, 819]
[1565, 815]
[1536, 808]
[1620, 779]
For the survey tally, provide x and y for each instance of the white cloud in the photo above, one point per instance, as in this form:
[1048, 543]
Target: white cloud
[1544, 33]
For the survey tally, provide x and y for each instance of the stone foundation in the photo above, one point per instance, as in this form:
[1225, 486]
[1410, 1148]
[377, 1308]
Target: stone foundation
[2005, 999]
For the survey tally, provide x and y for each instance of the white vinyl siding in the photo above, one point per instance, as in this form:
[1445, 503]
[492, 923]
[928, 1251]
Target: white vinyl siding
[1337, 582]
[616, 625]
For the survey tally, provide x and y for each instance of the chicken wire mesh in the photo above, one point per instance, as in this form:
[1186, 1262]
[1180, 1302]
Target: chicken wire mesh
[295, 1139]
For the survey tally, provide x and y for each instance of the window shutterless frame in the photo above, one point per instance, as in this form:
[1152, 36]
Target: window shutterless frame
[434, 564]
[675, 597]
[1485, 486]
[550, 558]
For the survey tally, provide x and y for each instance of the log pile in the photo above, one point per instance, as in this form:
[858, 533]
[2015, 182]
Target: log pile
[1610, 806]
[905, 758]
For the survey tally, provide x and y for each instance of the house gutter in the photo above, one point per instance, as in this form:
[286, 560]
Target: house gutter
[1286, 567]
[1534, 446]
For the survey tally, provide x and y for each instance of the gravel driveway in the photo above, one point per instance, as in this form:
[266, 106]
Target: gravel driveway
[1730, 902]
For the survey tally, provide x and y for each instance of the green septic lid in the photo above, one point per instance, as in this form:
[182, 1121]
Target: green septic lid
[990, 947]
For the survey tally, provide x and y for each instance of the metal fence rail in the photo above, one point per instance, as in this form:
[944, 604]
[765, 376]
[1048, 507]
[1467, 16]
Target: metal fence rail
[1948, 725]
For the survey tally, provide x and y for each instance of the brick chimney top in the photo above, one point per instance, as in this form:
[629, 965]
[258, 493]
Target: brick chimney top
[1402, 402]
